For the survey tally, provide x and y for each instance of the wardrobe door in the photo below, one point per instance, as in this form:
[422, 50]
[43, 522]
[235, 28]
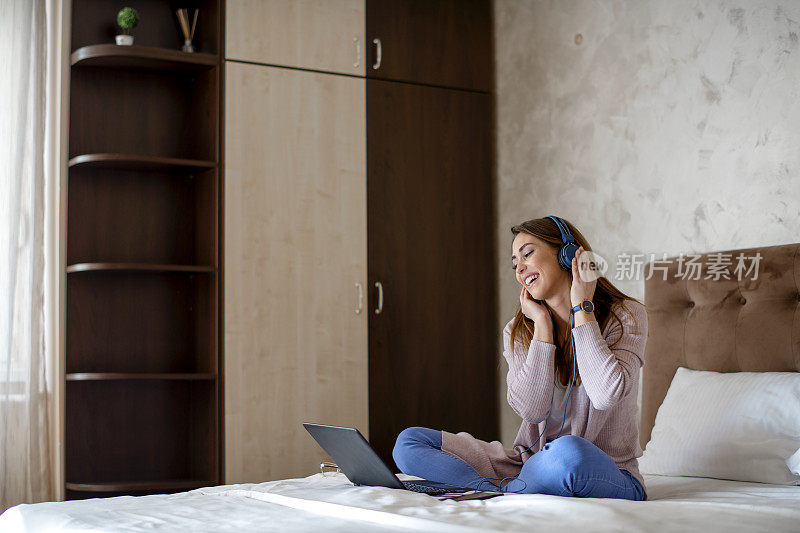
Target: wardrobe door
[433, 345]
[295, 240]
[321, 35]
[438, 42]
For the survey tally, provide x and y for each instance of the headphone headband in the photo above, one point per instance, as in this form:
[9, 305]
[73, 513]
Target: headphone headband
[566, 236]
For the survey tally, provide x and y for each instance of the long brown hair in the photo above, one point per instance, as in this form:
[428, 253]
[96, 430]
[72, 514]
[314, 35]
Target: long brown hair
[605, 296]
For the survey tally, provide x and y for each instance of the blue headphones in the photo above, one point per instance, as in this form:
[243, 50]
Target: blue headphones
[567, 252]
[565, 255]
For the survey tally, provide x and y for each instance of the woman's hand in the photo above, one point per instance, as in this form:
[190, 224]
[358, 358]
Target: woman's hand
[533, 309]
[581, 290]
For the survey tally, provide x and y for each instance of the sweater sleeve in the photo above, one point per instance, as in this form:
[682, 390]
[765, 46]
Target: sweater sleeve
[610, 375]
[530, 381]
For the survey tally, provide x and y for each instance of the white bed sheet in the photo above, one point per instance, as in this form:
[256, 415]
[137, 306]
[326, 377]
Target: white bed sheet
[332, 503]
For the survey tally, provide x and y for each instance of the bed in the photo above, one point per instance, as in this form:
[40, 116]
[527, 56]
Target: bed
[331, 503]
[694, 323]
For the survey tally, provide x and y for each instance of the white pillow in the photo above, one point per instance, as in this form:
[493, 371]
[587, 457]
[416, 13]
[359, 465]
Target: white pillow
[743, 426]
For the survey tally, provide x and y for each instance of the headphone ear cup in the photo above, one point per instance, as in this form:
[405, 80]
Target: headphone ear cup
[566, 254]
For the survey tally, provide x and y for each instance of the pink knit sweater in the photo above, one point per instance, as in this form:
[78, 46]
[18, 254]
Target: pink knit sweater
[603, 409]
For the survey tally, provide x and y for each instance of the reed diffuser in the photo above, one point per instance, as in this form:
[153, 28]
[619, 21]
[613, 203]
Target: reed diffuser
[188, 34]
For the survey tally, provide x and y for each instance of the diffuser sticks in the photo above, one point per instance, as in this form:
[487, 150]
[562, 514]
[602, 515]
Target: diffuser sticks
[188, 34]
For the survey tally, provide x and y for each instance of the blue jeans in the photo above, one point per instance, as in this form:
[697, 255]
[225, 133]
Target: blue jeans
[567, 466]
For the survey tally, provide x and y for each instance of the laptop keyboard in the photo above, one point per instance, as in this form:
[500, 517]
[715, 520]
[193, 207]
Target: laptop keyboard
[416, 487]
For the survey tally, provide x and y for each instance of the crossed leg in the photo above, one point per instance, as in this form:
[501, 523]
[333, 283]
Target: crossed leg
[568, 466]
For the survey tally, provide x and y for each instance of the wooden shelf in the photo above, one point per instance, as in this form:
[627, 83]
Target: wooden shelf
[146, 267]
[140, 162]
[143, 253]
[106, 376]
[139, 485]
[137, 57]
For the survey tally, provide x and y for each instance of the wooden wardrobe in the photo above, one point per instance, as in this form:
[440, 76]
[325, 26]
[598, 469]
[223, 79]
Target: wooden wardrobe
[358, 226]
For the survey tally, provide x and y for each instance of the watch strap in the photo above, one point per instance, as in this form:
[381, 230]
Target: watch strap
[580, 307]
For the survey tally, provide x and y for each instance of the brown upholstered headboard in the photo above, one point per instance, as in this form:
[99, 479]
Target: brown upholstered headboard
[750, 324]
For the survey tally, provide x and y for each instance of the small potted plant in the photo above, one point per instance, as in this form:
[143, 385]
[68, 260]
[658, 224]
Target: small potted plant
[127, 19]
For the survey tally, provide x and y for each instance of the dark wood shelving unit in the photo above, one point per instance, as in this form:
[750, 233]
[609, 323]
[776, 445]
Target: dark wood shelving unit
[143, 400]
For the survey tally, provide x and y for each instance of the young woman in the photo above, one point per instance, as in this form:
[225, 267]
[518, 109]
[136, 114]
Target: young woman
[579, 434]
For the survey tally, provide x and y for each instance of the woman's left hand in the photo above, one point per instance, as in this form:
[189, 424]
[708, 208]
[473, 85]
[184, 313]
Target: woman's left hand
[581, 289]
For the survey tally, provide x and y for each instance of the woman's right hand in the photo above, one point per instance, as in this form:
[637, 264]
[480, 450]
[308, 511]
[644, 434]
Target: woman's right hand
[533, 309]
[543, 327]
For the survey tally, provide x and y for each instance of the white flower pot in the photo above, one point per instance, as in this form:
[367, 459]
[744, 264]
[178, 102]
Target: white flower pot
[124, 40]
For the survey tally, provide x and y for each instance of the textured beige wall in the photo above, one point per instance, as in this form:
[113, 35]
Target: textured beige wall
[674, 126]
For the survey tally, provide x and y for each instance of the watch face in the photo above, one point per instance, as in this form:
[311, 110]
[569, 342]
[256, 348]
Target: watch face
[588, 306]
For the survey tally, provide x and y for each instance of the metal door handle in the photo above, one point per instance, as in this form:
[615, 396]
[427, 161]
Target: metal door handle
[360, 304]
[380, 298]
[377, 64]
[358, 52]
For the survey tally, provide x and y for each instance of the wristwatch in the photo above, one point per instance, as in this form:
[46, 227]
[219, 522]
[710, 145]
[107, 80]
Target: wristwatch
[585, 305]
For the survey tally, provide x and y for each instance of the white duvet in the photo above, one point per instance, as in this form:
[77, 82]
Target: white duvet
[332, 503]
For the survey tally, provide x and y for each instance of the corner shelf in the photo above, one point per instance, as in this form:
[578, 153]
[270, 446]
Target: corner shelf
[143, 375]
[147, 267]
[136, 57]
[106, 376]
[139, 162]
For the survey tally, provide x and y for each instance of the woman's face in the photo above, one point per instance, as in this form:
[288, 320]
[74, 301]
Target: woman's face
[533, 258]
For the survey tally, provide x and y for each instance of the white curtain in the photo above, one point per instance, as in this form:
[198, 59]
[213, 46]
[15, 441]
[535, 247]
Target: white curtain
[30, 70]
